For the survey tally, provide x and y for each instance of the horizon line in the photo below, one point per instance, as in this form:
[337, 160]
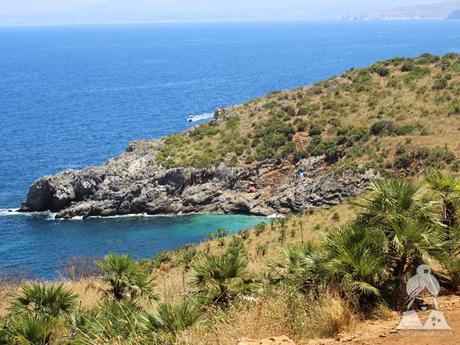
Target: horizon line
[207, 21]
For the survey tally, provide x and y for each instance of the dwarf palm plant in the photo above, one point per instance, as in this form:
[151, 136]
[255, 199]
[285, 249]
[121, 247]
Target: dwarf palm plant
[409, 219]
[36, 311]
[222, 232]
[301, 266]
[447, 187]
[109, 323]
[357, 261]
[173, 318]
[29, 330]
[220, 278]
[411, 243]
[50, 301]
[127, 279]
[396, 197]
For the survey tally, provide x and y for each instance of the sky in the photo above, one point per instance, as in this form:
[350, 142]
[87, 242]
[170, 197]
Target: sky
[23, 12]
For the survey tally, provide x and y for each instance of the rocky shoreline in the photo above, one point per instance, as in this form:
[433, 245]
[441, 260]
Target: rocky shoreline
[133, 183]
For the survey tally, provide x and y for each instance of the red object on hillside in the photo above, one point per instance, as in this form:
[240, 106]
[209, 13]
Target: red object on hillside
[252, 187]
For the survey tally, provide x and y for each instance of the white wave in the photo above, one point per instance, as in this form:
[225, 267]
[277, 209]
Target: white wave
[134, 215]
[157, 215]
[7, 212]
[51, 216]
[200, 117]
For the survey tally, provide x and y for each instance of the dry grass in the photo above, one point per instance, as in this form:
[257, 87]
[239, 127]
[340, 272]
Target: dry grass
[288, 314]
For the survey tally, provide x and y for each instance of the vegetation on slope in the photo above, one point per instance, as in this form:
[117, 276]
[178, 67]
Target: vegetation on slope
[399, 114]
[307, 276]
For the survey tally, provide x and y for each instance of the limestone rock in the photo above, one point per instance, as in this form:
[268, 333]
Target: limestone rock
[133, 183]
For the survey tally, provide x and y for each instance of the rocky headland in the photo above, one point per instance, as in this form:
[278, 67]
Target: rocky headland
[286, 152]
[133, 183]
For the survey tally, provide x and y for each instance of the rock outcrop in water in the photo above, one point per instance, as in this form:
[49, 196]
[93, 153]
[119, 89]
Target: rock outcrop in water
[133, 183]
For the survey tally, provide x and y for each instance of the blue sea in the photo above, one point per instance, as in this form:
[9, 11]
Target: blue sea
[73, 96]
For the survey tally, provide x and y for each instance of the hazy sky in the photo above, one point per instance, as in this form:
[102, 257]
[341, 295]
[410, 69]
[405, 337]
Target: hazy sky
[75, 11]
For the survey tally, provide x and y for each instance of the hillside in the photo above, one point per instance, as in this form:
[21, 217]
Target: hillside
[287, 152]
[348, 118]
[320, 275]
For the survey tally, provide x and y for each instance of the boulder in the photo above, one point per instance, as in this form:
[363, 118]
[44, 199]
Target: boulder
[39, 196]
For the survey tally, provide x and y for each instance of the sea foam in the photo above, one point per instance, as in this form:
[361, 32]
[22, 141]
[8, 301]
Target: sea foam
[201, 117]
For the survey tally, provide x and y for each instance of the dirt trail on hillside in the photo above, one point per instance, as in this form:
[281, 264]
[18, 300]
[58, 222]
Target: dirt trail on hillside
[382, 332]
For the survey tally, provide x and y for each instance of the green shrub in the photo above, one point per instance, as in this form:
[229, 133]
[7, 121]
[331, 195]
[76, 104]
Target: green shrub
[222, 232]
[440, 155]
[288, 149]
[407, 66]
[160, 258]
[335, 217]
[302, 125]
[441, 82]
[244, 234]
[232, 123]
[204, 130]
[262, 249]
[260, 228]
[329, 149]
[381, 128]
[455, 107]
[380, 70]
[426, 59]
[315, 129]
[404, 130]
[290, 110]
[303, 111]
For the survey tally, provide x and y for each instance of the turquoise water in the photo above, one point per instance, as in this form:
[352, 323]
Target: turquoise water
[74, 96]
[50, 243]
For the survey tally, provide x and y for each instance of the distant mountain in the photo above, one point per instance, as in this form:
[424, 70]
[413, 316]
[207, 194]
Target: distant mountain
[441, 10]
[117, 11]
[454, 15]
[123, 11]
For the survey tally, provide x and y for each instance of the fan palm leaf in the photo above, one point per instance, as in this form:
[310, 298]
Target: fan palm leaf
[220, 278]
[126, 278]
[48, 300]
[173, 318]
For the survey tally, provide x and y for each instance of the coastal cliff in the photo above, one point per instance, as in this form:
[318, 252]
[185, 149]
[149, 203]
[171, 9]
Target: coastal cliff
[286, 152]
[134, 184]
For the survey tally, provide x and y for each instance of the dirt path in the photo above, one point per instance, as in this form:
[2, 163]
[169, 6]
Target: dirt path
[382, 332]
